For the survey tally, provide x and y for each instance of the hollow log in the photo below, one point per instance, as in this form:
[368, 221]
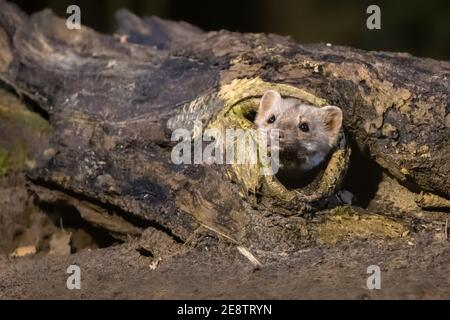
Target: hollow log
[113, 102]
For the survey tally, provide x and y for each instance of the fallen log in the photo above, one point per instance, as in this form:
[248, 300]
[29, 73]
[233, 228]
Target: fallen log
[113, 102]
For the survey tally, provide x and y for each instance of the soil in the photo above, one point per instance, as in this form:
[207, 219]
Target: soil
[419, 271]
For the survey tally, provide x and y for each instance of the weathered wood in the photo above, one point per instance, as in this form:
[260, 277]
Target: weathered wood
[113, 102]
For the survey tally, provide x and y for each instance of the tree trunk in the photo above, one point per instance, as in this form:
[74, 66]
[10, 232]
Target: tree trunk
[113, 102]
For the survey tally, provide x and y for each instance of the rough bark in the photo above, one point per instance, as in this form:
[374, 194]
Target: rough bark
[113, 101]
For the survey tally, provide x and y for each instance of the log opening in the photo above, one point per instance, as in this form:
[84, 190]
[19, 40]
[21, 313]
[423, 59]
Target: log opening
[241, 99]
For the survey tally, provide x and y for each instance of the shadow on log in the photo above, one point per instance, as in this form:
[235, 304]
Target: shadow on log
[113, 102]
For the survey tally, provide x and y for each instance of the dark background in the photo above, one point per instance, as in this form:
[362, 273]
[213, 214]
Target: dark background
[418, 27]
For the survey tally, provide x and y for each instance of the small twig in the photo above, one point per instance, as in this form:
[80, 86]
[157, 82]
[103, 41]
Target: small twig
[220, 233]
[446, 229]
[256, 264]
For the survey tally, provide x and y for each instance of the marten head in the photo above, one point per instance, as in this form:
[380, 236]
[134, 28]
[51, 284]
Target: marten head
[306, 133]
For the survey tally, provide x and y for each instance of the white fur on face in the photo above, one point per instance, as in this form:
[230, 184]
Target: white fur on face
[324, 126]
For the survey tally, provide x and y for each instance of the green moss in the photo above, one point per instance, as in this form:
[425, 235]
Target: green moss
[347, 222]
[12, 109]
[26, 126]
[3, 157]
[13, 160]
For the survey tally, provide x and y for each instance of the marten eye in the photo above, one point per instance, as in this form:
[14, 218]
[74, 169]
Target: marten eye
[271, 119]
[304, 127]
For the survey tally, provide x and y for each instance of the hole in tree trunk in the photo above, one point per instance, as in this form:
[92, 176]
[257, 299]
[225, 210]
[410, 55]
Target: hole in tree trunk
[298, 179]
[363, 176]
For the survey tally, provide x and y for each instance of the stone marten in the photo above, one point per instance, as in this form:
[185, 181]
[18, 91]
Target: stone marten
[307, 134]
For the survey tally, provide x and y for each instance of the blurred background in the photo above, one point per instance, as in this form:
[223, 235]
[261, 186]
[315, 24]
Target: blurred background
[419, 27]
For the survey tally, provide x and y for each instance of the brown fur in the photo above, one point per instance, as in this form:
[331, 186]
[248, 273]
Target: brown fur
[298, 149]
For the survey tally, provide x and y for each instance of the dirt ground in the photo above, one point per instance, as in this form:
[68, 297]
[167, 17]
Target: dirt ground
[418, 268]
[413, 266]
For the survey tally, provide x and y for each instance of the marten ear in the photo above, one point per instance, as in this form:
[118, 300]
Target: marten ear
[269, 99]
[333, 122]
